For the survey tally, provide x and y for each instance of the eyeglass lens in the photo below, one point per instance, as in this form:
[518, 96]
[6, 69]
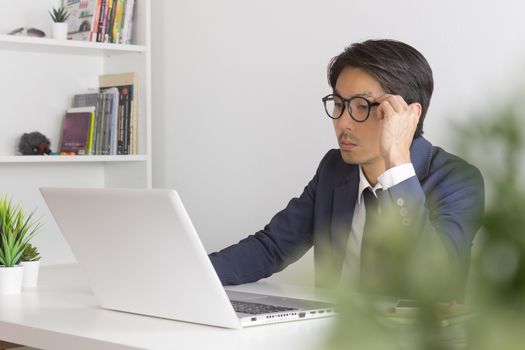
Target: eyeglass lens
[359, 108]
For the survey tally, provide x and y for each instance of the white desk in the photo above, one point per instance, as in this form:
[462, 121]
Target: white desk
[62, 313]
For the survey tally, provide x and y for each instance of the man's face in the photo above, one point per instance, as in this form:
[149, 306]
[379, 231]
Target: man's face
[358, 142]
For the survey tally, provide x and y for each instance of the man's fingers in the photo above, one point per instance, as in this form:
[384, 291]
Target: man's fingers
[386, 108]
[396, 102]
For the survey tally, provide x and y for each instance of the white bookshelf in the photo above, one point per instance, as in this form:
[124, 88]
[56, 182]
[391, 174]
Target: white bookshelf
[39, 78]
[72, 159]
[48, 45]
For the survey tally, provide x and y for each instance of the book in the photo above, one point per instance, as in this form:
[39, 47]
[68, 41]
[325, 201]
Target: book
[126, 35]
[103, 13]
[117, 23]
[111, 17]
[111, 113]
[127, 130]
[77, 133]
[82, 23]
[91, 100]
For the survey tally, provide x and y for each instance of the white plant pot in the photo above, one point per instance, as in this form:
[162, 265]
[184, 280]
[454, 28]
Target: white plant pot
[11, 279]
[59, 31]
[31, 269]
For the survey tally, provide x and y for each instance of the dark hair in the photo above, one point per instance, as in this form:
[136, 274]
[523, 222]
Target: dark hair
[399, 68]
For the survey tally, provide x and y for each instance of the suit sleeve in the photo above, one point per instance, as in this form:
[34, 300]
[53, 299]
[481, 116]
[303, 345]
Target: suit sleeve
[442, 221]
[284, 240]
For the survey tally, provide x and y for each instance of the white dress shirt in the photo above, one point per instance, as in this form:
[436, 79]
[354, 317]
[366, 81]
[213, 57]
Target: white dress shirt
[389, 178]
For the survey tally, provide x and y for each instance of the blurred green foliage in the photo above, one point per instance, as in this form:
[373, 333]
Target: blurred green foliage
[496, 285]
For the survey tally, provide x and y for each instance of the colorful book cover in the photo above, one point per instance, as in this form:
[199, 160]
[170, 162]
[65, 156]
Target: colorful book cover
[91, 100]
[94, 32]
[117, 24]
[77, 134]
[101, 19]
[81, 21]
[125, 37]
[109, 19]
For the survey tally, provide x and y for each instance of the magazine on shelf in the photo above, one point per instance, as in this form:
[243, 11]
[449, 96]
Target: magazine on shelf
[91, 100]
[77, 133]
[83, 17]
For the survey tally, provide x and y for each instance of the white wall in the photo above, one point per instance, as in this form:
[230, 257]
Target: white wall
[238, 122]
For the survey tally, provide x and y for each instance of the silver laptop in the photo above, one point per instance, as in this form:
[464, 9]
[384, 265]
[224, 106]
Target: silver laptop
[142, 255]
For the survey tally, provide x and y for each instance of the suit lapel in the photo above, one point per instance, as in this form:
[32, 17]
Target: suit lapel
[345, 197]
[344, 201]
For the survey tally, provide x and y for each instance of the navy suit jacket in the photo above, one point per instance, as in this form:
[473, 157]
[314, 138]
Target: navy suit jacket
[445, 199]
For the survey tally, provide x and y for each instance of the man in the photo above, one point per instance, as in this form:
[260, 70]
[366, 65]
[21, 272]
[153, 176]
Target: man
[381, 91]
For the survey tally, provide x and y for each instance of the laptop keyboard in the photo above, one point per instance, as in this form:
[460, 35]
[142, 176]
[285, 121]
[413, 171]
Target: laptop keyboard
[257, 309]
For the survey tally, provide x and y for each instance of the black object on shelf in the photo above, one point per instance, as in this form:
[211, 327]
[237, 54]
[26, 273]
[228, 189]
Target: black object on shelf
[33, 144]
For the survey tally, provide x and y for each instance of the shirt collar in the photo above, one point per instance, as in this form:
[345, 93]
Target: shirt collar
[364, 184]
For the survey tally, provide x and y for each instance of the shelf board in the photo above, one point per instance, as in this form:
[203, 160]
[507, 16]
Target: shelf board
[72, 159]
[47, 45]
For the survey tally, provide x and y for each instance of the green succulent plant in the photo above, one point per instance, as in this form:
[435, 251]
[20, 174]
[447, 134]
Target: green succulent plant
[16, 230]
[59, 15]
[30, 253]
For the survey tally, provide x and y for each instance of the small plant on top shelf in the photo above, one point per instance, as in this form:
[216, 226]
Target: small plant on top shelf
[59, 15]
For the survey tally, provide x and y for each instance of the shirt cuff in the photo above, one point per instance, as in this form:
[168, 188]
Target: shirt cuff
[396, 175]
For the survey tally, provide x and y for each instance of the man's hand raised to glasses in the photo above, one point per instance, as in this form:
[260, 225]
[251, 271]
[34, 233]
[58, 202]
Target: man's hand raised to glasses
[398, 123]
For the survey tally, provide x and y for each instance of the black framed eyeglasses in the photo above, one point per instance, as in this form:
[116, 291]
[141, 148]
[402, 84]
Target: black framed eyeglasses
[24, 31]
[358, 107]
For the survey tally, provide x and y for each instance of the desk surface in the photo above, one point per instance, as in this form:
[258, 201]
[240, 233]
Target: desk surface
[62, 312]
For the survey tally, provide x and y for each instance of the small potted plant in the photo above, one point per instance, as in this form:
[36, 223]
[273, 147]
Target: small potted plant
[16, 229]
[31, 263]
[59, 17]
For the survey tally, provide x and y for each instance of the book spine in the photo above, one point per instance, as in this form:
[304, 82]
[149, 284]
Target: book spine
[117, 26]
[94, 128]
[109, 22]
[100, 120]
[94, 27]
[126, 27]
[121, 122]
[101, 20]
[107, 123]
[104, 26]
[114, 131]
[89, 148]
[97, 125]
[107, 117]
[127, 118]
[111, 121]
[132, 130]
